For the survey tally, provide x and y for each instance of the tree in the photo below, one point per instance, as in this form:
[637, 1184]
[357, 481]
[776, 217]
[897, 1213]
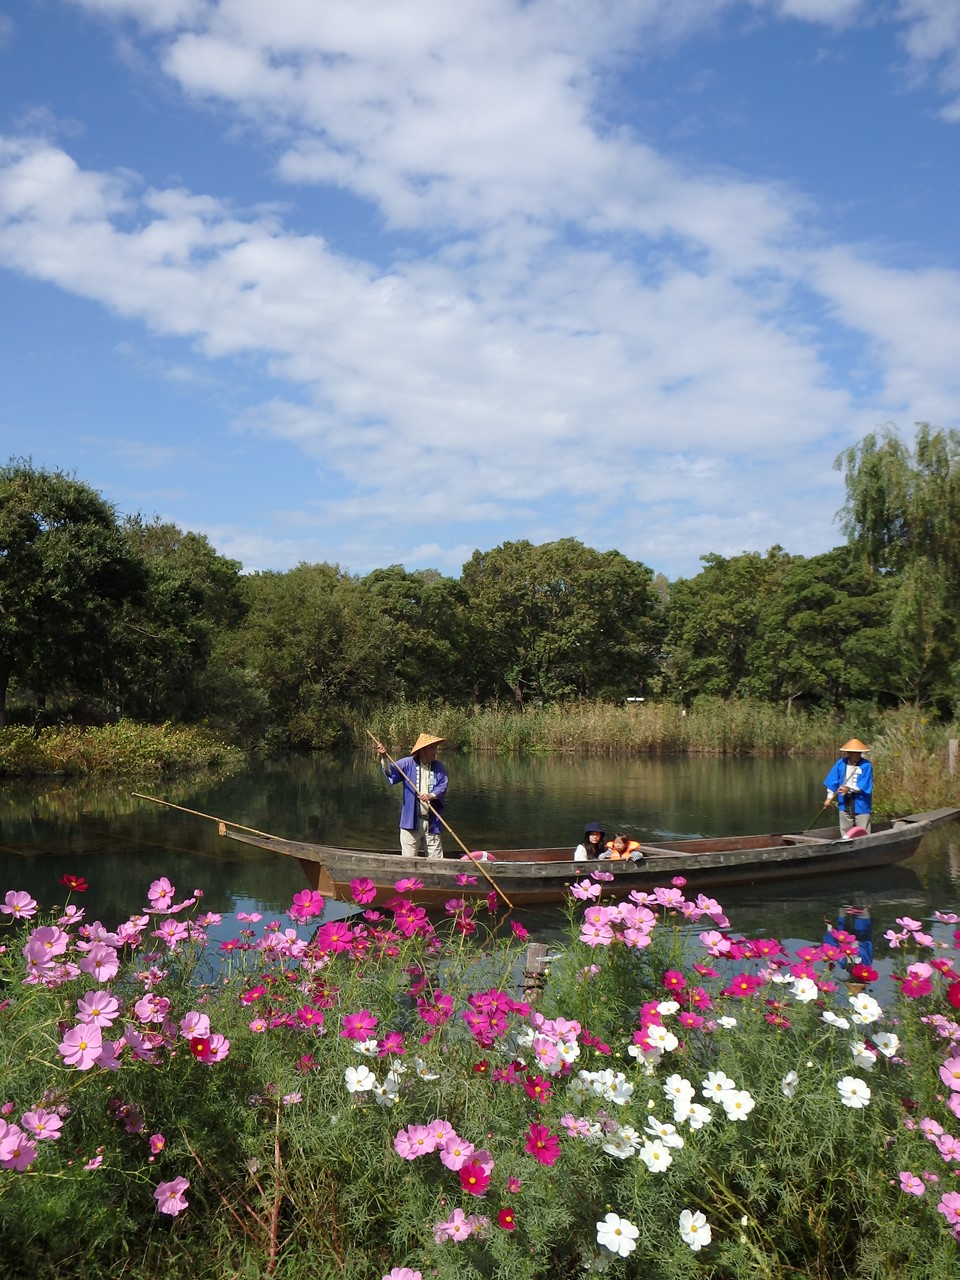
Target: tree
[166, 639]
[65, 570]
[714, 625]
[431, 639]
[902, 515]
[561, 620]
[317, 650]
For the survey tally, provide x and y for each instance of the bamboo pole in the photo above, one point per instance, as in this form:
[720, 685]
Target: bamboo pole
[440, 818]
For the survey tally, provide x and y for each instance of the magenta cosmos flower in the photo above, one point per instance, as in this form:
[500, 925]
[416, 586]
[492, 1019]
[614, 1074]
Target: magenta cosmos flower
[359, 1025]
[363, 890]
[474, 1178]
[543, 1145]
[170, 1196]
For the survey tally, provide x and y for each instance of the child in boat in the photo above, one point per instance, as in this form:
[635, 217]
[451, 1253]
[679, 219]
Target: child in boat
[591, 846]
[622, 848]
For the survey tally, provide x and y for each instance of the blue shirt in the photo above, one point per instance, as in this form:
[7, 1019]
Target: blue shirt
[408, 767]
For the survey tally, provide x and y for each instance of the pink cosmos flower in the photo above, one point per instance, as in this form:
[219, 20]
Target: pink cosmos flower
[41, 1124]
[519, 931]
[194, 1024]
[949, 1206]
[457, 1227]
[950, 1073]
[170, 1196]
[513, 1185]
[81, 1046]
[98, 1007]
[408, 885]
[402, 1273]
[543, 1145]
[595, 935]
[455, 1152]
[17, 1151]
[157, 1143]
[19, 904]
[416, 1140]
[911, 1184]
[101, 961]
[160, 894]
[94, 1163]
[585, 890]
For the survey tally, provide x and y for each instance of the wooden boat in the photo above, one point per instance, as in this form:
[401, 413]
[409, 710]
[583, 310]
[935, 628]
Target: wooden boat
[536, 877]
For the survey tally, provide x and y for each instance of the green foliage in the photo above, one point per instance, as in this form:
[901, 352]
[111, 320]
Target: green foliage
[65, 570]
[123, 748]
[563, 621]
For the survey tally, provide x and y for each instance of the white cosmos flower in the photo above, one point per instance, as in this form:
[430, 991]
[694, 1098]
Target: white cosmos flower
[853, 1092]
[805, 990]
[835, 1020]
[617, 1234]
[887, 1043]
[737, 1103]
[386, 1094]
[666, 1132]
[693, 1114]
[715, 1084]
[788, 1085]
[862, 1055]
[660, 1038]
[694, 1230]
[666, 1007]
[359, 1079]
[423, 1070]
[622, 1144]
[865, 1009]
[567, 1051]
[369, 1048]
[655, 1156]
[726, 1022]
[676, 1086]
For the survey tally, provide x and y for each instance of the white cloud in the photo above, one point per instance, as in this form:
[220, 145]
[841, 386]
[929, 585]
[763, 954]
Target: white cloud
[932, 39]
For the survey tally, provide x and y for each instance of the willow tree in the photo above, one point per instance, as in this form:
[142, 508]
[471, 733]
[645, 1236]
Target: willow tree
[902, 513]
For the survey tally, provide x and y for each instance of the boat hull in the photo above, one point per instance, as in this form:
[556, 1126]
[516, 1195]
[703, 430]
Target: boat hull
[538, 877]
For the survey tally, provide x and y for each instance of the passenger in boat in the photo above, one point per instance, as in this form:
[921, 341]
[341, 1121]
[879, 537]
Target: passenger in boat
[621, 848]
[591, 846]
[850, 783]
[424, 790]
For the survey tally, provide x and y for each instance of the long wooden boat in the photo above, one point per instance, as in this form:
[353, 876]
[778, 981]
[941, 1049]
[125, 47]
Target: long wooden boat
[535, 877]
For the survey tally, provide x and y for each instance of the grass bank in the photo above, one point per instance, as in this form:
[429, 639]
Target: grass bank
[124, 748]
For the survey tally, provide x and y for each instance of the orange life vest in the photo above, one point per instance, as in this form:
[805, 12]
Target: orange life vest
[632, 847]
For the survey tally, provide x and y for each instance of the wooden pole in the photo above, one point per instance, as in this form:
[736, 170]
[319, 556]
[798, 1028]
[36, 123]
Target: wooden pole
[440, 818]
[223, 822]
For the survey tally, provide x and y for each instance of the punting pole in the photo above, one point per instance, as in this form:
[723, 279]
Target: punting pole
[223, 823]
[440, 818]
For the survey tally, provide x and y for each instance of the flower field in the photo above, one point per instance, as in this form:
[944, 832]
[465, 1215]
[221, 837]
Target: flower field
[384, 1096]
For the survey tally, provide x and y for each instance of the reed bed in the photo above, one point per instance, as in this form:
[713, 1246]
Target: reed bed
[711, 725]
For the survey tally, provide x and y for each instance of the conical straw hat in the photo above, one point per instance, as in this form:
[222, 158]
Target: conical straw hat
[425, 740]
[855, 745]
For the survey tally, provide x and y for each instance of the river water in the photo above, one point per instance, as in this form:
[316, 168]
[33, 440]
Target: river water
[119, 843]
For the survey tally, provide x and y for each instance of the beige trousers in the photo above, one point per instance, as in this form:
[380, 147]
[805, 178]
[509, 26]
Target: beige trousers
[411, 842]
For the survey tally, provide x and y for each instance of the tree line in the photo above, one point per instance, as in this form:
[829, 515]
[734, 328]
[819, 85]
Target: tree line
[103, 616]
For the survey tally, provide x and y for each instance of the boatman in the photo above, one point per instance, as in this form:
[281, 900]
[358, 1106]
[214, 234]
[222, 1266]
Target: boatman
[424, 782]
[850, 782]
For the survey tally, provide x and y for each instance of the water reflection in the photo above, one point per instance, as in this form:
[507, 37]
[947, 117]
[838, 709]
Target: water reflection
[119, 843]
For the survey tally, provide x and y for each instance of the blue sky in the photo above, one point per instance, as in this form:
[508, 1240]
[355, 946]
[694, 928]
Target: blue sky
[387, 281]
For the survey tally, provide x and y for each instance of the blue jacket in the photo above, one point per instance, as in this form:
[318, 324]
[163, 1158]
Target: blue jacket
[408, 767]
[862, 780]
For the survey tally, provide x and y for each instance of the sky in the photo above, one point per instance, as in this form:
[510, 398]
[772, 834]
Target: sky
[382, 282]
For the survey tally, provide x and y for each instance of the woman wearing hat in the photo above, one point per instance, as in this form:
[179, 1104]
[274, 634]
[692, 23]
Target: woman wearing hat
[424, 789]
[850, 782]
